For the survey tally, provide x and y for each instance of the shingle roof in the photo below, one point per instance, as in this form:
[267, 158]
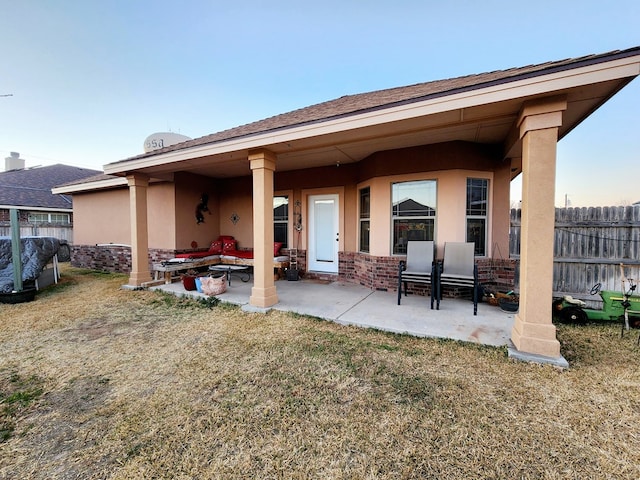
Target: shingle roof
[32, 187]
[363, 102]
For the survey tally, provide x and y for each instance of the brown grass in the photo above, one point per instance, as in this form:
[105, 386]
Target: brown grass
[140, 385]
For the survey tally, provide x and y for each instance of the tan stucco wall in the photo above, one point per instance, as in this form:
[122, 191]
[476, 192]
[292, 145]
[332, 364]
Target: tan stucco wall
[450, 164]
[380, 191]
[501, 211]
[188, 192]
[101, 217]
[235, 198]
[350, 233]
[172, 206]
[450, 207]
[161, 216]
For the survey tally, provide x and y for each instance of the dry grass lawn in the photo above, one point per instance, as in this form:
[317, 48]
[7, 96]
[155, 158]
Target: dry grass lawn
[102, 383]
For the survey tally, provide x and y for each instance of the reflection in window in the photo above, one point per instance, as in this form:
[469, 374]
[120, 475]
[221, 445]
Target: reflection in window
[281, 220]
[477, 195]
[365, 215]
[413, 212]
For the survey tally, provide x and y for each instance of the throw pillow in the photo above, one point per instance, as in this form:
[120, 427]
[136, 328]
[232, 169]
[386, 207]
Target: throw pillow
[216, 247]
[228, 245]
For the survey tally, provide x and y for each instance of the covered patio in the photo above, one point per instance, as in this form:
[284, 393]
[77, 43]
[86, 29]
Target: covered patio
[350, 304]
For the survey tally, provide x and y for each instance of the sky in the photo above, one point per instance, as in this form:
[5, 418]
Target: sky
[84, 82]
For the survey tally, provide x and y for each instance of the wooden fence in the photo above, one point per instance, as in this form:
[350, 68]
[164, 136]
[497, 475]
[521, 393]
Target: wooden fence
[61, 232]
[590, 243]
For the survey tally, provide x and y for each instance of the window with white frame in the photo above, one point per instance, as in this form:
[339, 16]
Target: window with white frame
[365, 216]
[413, 212]
[281, 220]
[477, 203]
[44, 217]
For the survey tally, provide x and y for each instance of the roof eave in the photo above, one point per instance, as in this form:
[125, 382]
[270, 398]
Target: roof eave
[546, 82]
[38, 208]
[90, 186]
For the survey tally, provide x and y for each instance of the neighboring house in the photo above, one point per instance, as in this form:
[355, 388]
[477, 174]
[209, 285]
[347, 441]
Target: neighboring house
[41, 212]
[364, 173]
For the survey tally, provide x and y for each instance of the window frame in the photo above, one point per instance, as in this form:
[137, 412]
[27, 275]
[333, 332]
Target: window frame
[364, 219]
[284, 222]
[472, 214]
[430, 218]
[48, 218]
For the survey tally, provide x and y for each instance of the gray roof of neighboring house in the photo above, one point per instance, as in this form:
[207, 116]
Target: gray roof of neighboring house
[363, 102]
[31, 187]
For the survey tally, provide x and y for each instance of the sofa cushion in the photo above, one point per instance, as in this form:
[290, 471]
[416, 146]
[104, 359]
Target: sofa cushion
[239, 253]
[194, 255]
[276, 248]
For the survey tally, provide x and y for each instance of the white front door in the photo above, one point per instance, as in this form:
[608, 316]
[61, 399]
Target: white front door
[323, 234]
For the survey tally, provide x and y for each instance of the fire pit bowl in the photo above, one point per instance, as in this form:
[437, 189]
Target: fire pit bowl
[26, 295]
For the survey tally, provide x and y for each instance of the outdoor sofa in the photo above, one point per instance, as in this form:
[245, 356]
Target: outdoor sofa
[222, 251]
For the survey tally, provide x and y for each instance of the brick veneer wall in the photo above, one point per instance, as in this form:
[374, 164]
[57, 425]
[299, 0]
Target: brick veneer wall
[381, 273]
[376, 273]
[111, 258]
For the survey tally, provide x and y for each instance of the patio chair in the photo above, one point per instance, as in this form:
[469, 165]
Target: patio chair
[458, 269]
[418, 268]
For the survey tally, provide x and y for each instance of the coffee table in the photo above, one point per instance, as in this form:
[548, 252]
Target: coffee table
[241, 270]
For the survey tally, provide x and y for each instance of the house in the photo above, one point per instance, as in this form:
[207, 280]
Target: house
[29, 191]
[363, 173]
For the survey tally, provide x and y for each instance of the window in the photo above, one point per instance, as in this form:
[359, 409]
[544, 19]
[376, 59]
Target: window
[59, 218]
[365, 214]
[477, 194]
[281, 220]
[413, 212]
[42, 217]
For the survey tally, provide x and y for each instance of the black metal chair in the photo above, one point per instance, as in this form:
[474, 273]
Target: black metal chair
[418, 268]
[458, 269]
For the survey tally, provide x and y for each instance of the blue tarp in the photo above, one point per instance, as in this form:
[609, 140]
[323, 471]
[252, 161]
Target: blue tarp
[36, 252]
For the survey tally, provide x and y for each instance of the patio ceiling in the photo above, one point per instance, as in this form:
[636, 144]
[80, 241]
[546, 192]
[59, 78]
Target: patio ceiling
[487, 114]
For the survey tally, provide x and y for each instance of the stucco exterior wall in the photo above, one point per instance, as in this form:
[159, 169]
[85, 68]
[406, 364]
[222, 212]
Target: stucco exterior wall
[500, 211]
[101, 217]
[188, 192]
[161, 216]
[236, 202]
[450, 164]
[172, 205]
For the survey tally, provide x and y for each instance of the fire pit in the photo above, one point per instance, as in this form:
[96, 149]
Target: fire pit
[26, 295]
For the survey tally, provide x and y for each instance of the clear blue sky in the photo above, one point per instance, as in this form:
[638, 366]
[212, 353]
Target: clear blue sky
[92, 79]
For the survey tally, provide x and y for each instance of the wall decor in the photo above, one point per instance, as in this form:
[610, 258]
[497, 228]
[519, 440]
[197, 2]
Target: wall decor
[203, 206]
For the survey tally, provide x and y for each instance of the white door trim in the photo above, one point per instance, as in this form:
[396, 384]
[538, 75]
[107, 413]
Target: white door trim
[324, 233]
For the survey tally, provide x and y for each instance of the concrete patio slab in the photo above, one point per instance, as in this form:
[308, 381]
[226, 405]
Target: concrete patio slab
[350, 304]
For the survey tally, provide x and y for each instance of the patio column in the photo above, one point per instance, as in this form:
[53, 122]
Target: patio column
[263, 293]
[140, 273]
[533, 331]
